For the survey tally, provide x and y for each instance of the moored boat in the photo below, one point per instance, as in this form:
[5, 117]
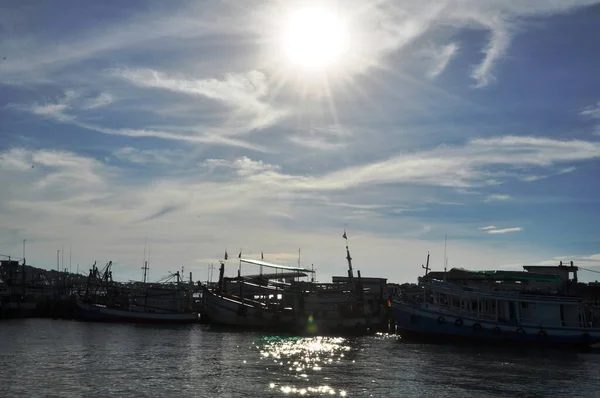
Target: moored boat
[97, 312]
[288, 304]
[443, 311]
[106, 301]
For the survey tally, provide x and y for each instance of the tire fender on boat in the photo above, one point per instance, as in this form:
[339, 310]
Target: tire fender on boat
[521, 331]
[441, 320]
[458, 323]
[476, 327]
[497, 330]
[585, 336]
[542, 334]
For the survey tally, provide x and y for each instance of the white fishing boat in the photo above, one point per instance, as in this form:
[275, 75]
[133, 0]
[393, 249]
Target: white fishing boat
[444, 310]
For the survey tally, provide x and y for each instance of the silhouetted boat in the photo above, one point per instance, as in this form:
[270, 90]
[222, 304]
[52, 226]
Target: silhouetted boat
[511, 306]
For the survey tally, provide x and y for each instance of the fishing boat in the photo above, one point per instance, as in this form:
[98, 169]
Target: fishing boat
[290, 304]
[253, 301]
[106, 301]
[504, 306]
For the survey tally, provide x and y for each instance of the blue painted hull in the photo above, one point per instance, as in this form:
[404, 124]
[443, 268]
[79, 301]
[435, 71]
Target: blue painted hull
[416, 323]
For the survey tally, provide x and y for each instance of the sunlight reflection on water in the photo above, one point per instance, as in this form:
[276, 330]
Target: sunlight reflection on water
[304, 358]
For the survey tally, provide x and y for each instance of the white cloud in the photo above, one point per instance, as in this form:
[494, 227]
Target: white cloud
[487, 228]
[106, 217]
[505, 230]
[243, 166]
[466, 166]
[440, 57]
[567, 170]
[148, 156]
[244, 91]
[497, 197]
[532, 178]
[57, 111]
[497, 46]
[592, 111]
[103, 99]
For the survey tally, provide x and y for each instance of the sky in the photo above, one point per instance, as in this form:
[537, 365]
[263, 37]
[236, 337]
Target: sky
[180, 130]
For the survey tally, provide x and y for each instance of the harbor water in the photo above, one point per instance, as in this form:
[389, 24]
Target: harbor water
[56, 358]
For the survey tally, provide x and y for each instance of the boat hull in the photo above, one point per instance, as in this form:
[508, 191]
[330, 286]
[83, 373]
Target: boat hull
[96, 313]
[228, 312]
[415, 322]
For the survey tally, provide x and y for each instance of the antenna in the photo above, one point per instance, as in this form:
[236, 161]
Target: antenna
[298, 257]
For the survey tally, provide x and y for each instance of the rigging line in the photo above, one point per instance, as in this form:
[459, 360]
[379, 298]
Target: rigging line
[589, 270]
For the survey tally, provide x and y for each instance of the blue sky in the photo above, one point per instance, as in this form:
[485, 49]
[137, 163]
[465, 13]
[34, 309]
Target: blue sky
[196, 125]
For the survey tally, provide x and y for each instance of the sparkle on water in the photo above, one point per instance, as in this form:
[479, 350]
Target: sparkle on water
[304, 358]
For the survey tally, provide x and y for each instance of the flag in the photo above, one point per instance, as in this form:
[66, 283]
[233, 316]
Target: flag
[225, 254]
[344, 236]
[261, 256]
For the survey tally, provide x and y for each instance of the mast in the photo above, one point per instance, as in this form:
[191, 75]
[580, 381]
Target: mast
[350, 272]
[145, 268]
[298, 272]
[426, 267]
[445, 257]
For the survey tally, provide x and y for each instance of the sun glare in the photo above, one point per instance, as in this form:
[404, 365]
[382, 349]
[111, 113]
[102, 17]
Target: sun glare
[314, 38]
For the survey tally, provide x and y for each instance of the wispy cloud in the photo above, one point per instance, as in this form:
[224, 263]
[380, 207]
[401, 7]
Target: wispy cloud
[592, 111]
[244, 91]
[440, 57]
[505, 230]
[64, 111]
[148, 156]
[487, 228]
[101, 100]
[497, 197]
[466, 166]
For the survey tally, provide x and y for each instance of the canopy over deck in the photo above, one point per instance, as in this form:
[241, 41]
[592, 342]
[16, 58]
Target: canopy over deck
[280, 275]
[275, 266]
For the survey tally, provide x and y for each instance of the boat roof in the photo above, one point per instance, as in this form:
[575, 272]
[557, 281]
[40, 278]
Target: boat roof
[460, 273]
[275, 266]
[520, 275]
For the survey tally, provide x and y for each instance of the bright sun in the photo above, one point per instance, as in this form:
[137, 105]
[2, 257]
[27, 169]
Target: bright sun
[314, 38]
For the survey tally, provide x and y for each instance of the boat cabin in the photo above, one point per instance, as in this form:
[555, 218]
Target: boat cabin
[505, 307]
